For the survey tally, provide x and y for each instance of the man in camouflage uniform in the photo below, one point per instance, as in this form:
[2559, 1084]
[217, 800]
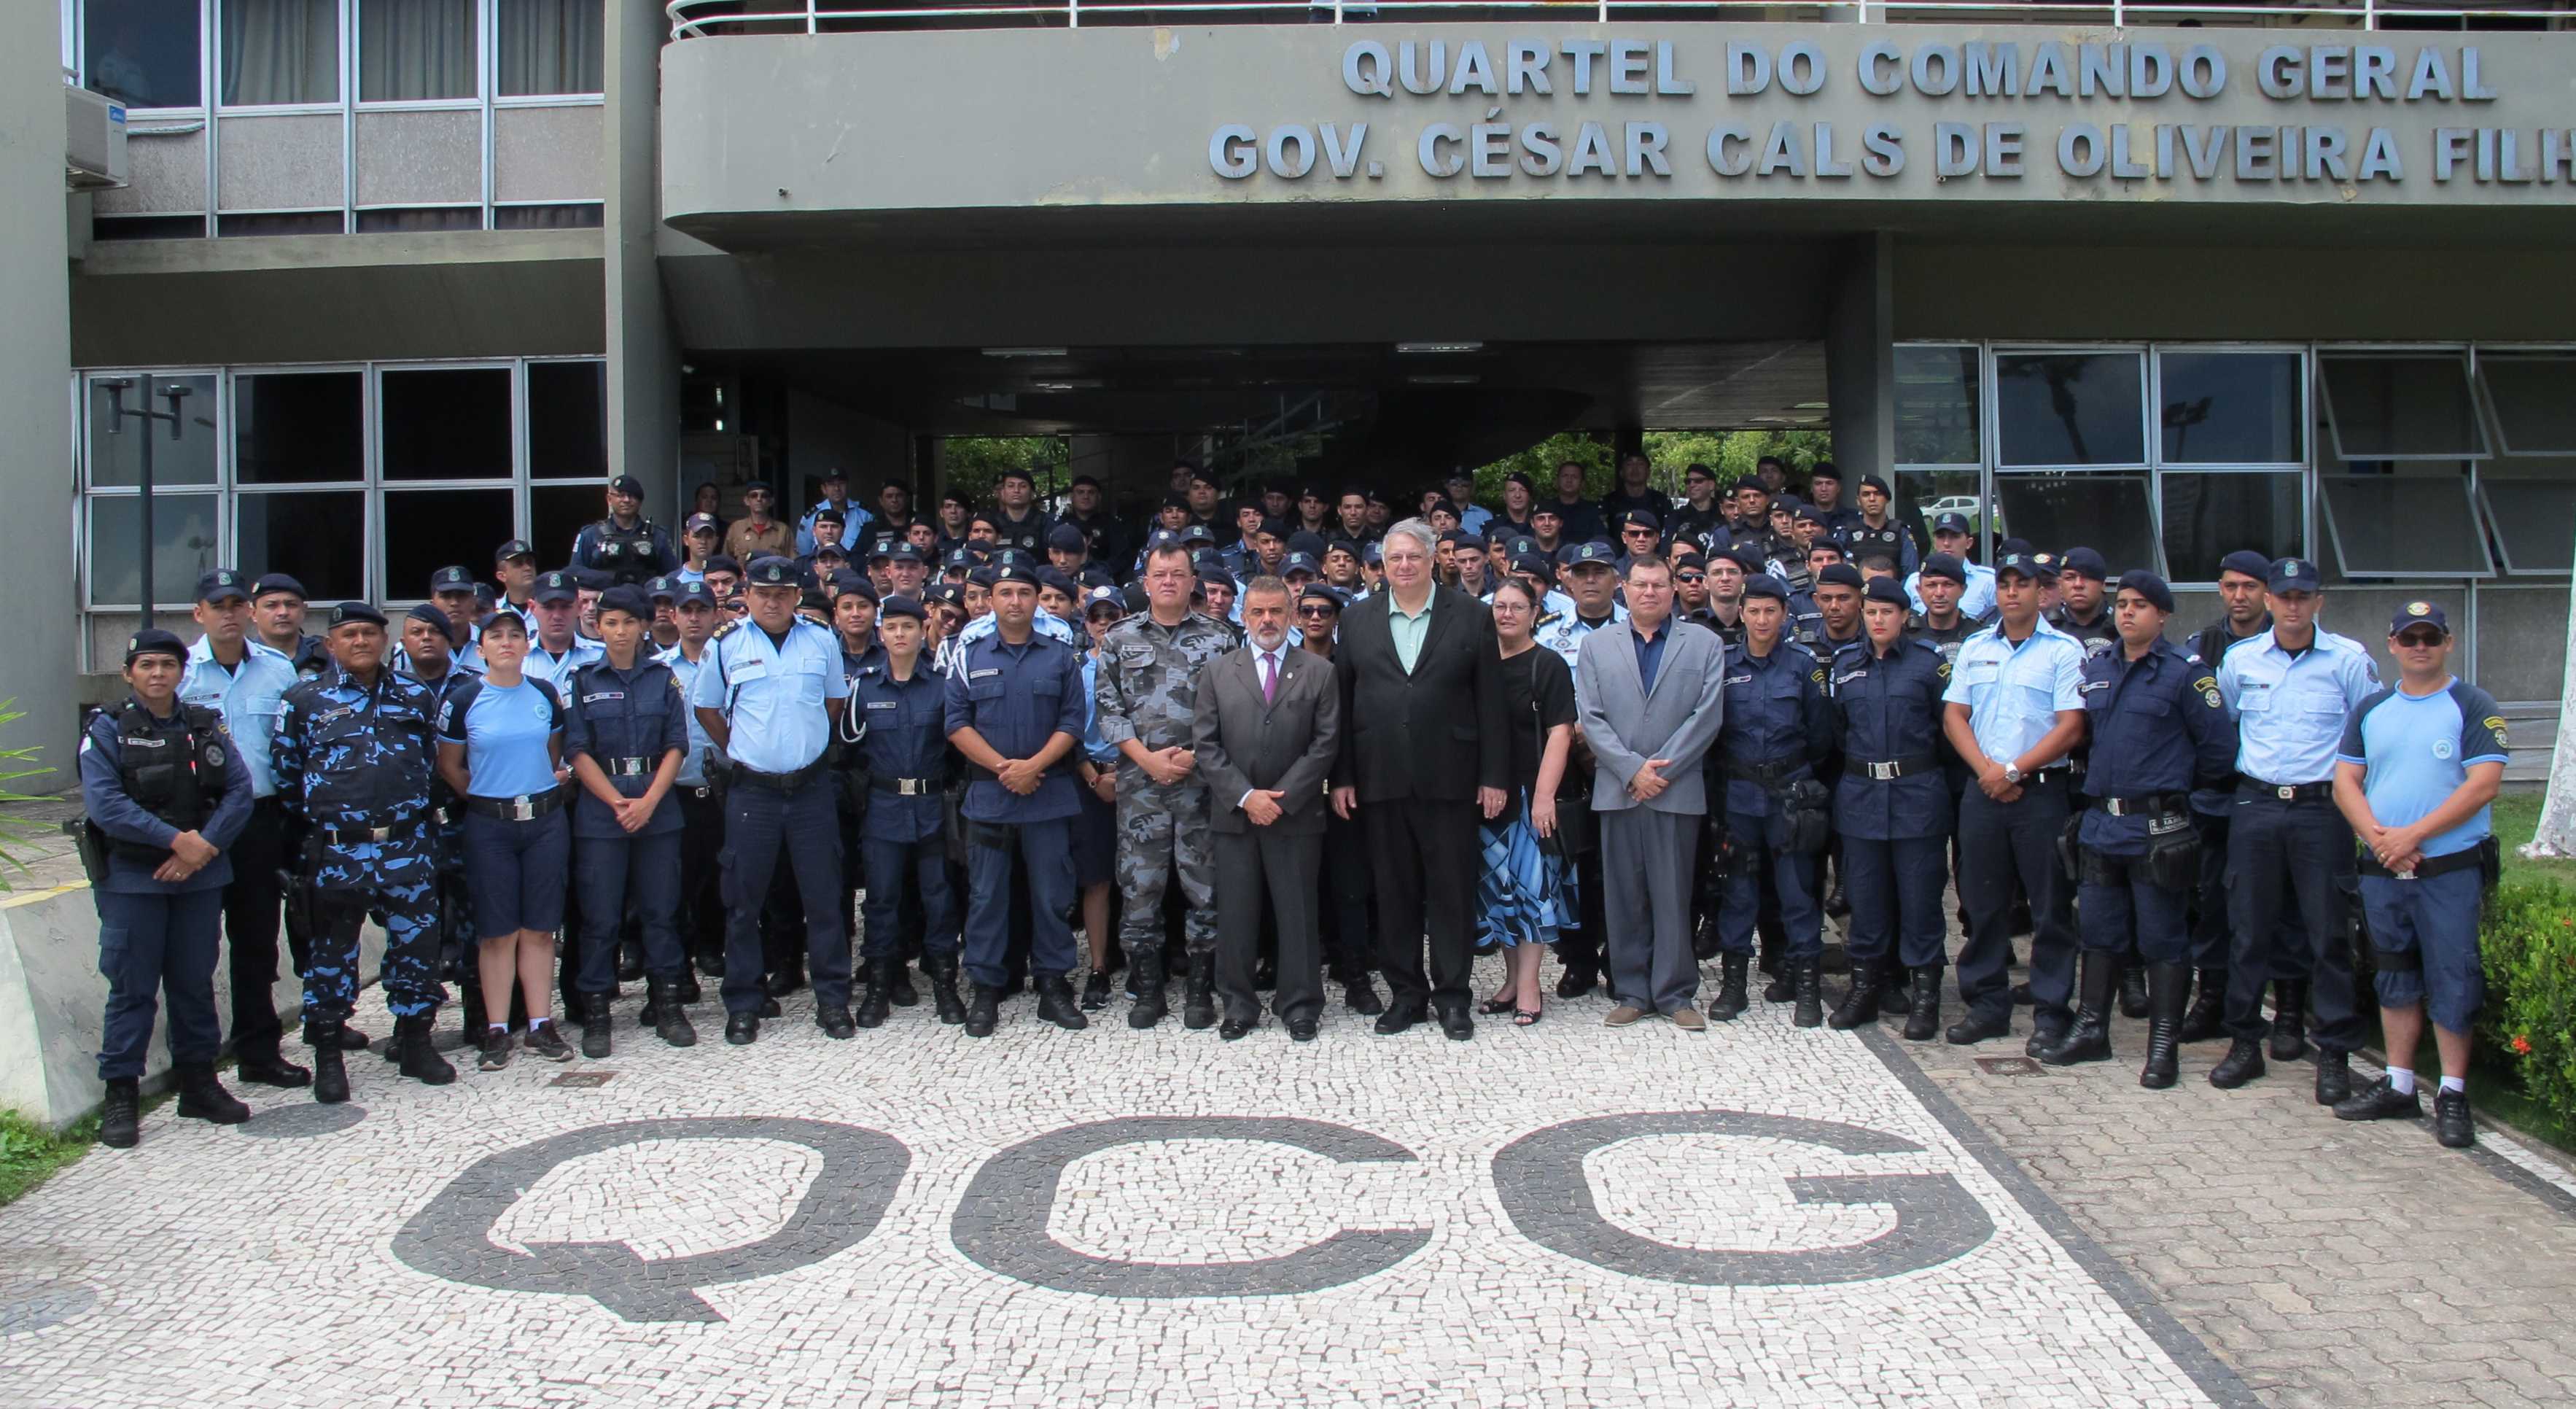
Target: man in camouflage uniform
[1146, 697]
[352, 750]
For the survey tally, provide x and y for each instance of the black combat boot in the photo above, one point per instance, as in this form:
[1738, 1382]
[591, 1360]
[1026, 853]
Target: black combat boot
[686, 989]
[2089, 1038]
[595, 1022]
[2289, 1019]
[1198, 1008]
[1733, 970]
[2243, 1063]
[1860, 1001]
[419, 1053]
[1807, 978]
[670, 1016]
[1784, 981]
[742, 1029]
[352, 1040]
[876, 997]
[1056, 1005]
[942, 969]
[1923, 1022]
[1360, 995]
[1145, 976]
[202, 1097]
[1895, 992]
[330, 1074]
[2134, 999]
[120, 1115]
[2166, 986]
[470, 1006]
[899, 989]
[2334, 1077]
[983, 1010]
[2207, 1015]
[266, 1067]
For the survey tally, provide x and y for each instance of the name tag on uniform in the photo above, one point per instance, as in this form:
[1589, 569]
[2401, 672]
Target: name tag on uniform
[2089, 686]
[885, 704]
[1745, 679]
[1849, 676]
[603, 695]
[986, 671]
[145, 743]
[1984, 669]
[750, 670]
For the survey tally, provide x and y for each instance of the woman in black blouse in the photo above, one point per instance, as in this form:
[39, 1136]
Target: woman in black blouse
[1527, 891]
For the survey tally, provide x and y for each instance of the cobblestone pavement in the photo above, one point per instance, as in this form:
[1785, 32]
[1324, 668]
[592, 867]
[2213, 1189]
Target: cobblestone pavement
[1559, 1215]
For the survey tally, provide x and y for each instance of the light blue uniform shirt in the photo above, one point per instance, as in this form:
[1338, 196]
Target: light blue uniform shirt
[1098, 749]
[2290, 711]
[1565, 634]
[557, 670]
[504, 729]
[1976, 599]
[248, 698]
[772, 696]
[2013, 693]
[1473, 519]
[2416, 751]
[693, 768]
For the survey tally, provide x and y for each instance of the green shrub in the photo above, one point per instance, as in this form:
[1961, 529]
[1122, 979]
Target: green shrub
[2529, 948]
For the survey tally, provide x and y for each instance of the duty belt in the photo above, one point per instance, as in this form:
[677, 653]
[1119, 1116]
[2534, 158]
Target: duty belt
[1889, 769]
[359, 836]
[778, 782]
[906, 787]
[443, 816]
[627, 767]
[2288, 792]
[2425, 869]
[2150, 805]
[527, 807]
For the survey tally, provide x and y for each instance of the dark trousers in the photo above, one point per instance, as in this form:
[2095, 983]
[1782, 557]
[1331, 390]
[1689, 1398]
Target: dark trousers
[2278, 850]
[2131, 915]
[702, 907]
[908, 878]
[1348, 940]
[2001, 843]
[1265, 872]
[1760, 862]
[1045, 864]
[1579, 948]
[251, 906]
[1426, 857]
[148, 945]
[1895, 892]
[646, 869]
[2211, 931]
[760, 822]
[1646, 860]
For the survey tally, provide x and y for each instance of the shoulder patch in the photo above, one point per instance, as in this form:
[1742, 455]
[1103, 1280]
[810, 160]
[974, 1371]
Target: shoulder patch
[1817, 675]
[1942, 671]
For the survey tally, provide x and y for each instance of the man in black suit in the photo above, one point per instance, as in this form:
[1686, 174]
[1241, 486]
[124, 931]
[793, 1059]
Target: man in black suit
[1266, 731]
[1423, 753]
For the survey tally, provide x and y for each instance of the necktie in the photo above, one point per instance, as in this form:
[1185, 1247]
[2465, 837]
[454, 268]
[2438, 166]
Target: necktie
[1269, 677]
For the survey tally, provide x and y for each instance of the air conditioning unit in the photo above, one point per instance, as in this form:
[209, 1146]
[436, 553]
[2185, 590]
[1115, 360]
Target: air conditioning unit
[93, 140]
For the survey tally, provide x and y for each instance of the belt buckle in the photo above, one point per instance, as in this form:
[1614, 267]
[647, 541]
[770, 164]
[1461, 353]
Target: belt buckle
[2286, 792]
[522, 810]
[1882, 772]
[914, 787]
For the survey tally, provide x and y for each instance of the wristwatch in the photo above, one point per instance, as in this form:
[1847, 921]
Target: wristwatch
[2012, 774]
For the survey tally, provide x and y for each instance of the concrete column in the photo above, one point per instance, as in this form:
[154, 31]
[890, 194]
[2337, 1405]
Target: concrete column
[643, 358]
[35, 400]
[1860, 356]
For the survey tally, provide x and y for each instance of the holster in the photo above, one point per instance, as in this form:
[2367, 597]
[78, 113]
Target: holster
[91, 845]
[2173, 853]
[2069, 854]
[953, 822]
[719, 773]
[1807, 812]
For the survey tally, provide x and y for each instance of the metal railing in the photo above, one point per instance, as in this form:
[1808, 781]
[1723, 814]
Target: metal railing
[696, 19]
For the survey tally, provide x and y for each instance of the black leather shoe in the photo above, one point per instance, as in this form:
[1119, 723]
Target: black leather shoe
[875, 998]
[711, 963]
[686, 987]
[1730, 1002]
[1923, 1019]
[769, 1007]
[1056, 1005]
[742, 1029]
[782, 983]
[1577, 980]
[2289, 1020]
[2021, 995]
[418, 1053]
[944, 1001]
[1783, 985]
[2381, 1101]
[1235, 1029]
[2334, 1077]
[120, 1117]
[835, 1022]
[2451, 1123]
[270, 1069]
[2047, 1030]
[2207, 1016]
[1301, 1029]
[1455, 1024]
[202, 1097]
[2243, 1063]
[1095, 991]
[1265, 973]
[670, 1018]
[1860, 1001]
[1399, 1017]
[2088, 1038]
[1974, 1026]
[1360, 996]
[983, 1011]
[2133, 988]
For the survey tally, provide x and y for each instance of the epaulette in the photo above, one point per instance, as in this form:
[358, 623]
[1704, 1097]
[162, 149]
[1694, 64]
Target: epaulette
[1546, 619]
[722, 631]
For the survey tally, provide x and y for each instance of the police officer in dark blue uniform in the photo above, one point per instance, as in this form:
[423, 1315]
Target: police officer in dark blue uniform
[1894, 808]
[166, 797]
[277, 615]
[768, 694]
[2158, 726]
[898, 700]
[1776, 730]
[627, 739]
[1015, 709]
[624, 545]
[353, 753]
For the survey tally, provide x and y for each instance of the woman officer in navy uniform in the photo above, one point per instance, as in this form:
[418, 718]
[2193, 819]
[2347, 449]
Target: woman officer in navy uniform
[166, 797]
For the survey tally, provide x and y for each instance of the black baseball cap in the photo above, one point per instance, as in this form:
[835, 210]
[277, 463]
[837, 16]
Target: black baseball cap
[514, 548]
[2420, 613]
[451, 579]
[557, 586]
[774, 571]
[221, 584]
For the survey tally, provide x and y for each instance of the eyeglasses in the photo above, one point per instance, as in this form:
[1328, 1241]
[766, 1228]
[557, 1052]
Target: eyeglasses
[1315, 611]
[2419, 638]
[1690, 577]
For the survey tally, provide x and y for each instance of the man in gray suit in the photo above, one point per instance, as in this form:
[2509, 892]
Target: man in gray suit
[1267, 728]
[1646, 690]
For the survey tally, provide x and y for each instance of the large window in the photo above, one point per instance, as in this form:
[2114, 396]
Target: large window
[2405, 518]
[145, 53]
[2532, 505]
[2534, 399]
[418, 50]
[2400, 406]
[446, 423]
[2071, 408]
[277, 52]
[548, 47]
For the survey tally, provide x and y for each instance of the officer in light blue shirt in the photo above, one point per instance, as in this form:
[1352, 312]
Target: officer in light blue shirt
[2291, 690]
[769, 695]
[556, 647]
[1977, 581]
[702, 925]
[2419, 766]
[232, 672]
[1590, 571]
[2013, 709]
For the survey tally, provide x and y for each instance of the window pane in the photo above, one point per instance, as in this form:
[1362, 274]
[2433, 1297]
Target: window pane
[413, 49]
[2398, 405]
[2107, 513]
[2411, 523]
[143, 52]
[183, 534]
[299, 428]
[427, 529]
[568, 420]
[2208, 516]
[1936, 406]
[118, 459]
[558, 511]
[2071, 408]
[312, 537]
[2535, 401]
[2230, 408]
[2533, 509]
[549, 46]
[267, 224]
[414, 219]
[1928, 494]
[447, 423]
[567, 215]
[281, 51]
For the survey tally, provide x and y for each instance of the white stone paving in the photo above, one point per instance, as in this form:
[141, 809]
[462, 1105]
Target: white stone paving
[212, 1267]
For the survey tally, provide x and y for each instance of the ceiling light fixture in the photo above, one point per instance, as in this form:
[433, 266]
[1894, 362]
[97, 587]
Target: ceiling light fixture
[1024, 352]
[1413, 348]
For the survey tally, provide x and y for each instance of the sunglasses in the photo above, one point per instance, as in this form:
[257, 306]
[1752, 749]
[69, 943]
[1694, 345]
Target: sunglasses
[1691, 577]
[2419, 638]
[1315, 611]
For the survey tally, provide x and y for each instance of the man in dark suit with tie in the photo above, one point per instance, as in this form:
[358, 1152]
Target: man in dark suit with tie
[1423, 755]
[1266, 734]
